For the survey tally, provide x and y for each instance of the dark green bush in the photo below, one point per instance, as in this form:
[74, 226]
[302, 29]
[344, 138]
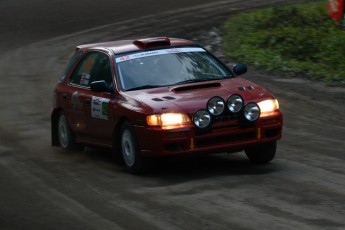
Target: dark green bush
[298, 39]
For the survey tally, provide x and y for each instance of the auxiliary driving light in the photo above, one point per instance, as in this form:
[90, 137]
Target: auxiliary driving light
[235, 103]
[251, 111]
[202, 119]
[216, 106]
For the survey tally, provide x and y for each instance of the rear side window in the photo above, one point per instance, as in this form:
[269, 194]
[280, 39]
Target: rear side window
[70, 65]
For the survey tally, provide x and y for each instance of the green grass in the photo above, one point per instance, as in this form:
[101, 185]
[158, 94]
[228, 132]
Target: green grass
[298, 39]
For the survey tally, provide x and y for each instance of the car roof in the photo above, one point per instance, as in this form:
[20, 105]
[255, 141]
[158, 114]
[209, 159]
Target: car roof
[125, 46]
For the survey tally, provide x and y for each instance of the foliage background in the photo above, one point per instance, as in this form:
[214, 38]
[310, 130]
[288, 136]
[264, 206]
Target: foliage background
[298, 39]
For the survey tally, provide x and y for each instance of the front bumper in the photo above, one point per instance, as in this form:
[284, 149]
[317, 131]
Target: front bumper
[230, 135]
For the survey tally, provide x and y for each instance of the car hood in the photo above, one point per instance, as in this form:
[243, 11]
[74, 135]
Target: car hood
[188, 98]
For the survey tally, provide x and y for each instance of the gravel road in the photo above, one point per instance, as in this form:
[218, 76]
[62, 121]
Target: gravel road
[42, 187]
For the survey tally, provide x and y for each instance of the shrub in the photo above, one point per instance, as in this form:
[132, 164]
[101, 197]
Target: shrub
[294, 39]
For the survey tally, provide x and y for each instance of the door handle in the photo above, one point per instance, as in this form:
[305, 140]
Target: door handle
[87, 101]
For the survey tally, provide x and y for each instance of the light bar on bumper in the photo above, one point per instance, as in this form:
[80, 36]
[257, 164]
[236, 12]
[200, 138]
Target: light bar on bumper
[168, 120]
[252, 111]
[235, 103]
[216, 106]
[202, 119]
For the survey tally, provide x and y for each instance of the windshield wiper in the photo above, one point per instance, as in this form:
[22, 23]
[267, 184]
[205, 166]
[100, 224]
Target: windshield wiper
[144, 87]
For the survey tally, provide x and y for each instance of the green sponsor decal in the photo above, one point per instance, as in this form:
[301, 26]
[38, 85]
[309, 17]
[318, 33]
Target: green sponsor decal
[105, 109]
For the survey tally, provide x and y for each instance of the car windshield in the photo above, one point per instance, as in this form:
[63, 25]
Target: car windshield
[167, 67]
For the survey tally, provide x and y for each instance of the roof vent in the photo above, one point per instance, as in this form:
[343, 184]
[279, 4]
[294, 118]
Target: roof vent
[152, 42]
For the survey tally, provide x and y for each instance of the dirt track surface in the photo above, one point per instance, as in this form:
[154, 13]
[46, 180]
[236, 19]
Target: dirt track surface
[44, 188]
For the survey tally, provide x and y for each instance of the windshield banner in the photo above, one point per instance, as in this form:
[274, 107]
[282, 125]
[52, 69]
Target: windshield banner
[158, 52]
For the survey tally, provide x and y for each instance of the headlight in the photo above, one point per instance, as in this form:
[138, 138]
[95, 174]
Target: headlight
[168, 120]
[235, 103]
[267, 107]
[251, 111]
[216, 106]
[202, 119]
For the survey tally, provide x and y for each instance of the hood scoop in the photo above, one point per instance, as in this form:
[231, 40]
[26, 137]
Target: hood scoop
[198, 86]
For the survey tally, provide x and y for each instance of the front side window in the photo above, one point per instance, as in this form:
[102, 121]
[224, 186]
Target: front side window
[95, 66]
[168, 67]
[71, 63]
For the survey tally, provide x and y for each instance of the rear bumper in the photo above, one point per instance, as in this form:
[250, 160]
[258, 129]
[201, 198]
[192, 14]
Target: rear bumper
[224, 136]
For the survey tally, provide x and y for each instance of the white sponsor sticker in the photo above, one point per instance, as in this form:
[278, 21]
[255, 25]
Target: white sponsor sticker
[158, 52]
[100, 108]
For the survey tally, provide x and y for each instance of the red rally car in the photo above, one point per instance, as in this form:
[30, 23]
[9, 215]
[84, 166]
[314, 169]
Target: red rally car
[159, 97]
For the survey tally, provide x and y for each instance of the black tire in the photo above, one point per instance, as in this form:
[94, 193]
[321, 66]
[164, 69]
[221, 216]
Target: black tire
[262, 153]
[129, 150]
[65, 135]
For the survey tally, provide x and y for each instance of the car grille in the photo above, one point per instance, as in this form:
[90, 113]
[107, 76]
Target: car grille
[225, 132]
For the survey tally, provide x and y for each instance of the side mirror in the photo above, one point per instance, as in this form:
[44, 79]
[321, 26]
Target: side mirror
[99, 86]
[240, 69]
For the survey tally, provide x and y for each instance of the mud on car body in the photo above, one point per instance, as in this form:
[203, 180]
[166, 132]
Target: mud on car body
[160, 97]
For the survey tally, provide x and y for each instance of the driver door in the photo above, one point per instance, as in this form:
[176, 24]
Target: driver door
[99, 122]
